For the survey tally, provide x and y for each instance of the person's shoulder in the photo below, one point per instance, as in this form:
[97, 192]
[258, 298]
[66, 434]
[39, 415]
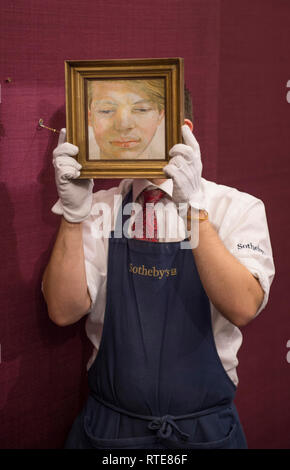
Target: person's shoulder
[226, 203]
[107, 195]
[221, 194]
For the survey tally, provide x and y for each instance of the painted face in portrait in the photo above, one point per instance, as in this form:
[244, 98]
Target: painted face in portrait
[124, 116]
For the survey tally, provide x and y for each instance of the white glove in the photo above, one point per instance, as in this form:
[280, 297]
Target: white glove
[75, 195]
[185, 169]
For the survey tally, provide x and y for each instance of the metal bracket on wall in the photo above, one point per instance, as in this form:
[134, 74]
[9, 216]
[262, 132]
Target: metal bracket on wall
[40, 123]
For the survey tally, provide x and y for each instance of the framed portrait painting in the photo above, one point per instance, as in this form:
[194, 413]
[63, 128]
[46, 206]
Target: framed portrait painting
[124, 115]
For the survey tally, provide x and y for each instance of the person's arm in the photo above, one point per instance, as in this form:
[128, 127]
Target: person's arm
[64, 280]
[229, 284]
[231, 288]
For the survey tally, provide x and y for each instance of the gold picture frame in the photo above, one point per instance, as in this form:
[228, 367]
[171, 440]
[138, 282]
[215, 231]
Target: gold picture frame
[89, 116]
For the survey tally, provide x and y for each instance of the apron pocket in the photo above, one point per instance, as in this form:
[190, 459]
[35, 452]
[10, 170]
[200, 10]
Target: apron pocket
[228, 442]
[117, 443]
[220, 430]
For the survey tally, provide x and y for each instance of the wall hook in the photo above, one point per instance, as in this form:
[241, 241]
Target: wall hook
[40, 123]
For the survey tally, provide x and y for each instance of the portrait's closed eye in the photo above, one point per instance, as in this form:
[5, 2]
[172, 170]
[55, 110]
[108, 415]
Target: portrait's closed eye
[126, 119]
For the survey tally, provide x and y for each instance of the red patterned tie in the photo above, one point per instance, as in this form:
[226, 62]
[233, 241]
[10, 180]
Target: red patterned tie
[150, 197]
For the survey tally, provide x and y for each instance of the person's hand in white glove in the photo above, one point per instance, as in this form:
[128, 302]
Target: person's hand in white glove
[75, 195]
[185, 169]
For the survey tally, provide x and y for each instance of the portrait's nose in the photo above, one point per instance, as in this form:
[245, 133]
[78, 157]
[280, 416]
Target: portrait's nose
[124, 119]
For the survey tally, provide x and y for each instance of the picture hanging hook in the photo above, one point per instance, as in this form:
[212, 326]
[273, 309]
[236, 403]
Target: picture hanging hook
[40, 123]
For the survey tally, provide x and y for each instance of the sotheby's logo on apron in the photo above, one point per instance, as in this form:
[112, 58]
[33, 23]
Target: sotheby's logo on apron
[153, 271]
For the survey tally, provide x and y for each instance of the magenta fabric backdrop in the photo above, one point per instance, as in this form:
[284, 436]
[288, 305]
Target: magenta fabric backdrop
[237, 65]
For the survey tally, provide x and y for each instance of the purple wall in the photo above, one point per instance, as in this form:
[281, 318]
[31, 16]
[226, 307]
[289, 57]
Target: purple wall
[236, 58]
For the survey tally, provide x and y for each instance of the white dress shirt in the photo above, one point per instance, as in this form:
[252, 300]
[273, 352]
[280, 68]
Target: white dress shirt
[240, 221]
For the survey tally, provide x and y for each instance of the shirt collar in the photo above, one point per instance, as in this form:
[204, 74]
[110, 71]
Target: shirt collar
[140, 184]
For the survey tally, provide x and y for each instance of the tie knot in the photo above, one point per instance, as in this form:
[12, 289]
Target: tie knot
[152, 195]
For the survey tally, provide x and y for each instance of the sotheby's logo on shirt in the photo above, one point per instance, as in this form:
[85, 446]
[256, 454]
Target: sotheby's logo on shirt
[250, 246]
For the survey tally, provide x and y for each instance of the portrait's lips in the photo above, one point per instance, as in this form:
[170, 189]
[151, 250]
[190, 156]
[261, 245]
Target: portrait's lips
[125, 143]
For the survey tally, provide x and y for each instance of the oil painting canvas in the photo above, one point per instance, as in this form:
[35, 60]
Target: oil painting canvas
[126, 119]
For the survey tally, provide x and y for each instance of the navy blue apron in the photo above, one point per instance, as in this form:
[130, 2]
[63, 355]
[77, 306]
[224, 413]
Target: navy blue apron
[157, 380]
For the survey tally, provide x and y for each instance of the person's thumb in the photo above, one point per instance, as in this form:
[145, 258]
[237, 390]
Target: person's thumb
[189, 138]
[62, 136]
